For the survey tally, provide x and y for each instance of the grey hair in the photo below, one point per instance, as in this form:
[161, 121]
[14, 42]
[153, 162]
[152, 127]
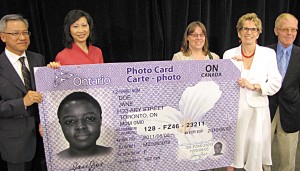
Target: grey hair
[11, 17]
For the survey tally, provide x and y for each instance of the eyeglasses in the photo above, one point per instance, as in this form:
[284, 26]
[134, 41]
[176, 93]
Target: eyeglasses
[18, 34]
[195, 35]
[246, 29]
[287, 30]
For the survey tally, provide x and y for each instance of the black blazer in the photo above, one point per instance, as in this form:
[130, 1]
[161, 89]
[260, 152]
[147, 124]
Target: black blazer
[288, 97]
[17, 123]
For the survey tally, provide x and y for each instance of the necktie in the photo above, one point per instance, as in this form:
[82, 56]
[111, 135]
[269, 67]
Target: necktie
[282, 63]
[25, 73]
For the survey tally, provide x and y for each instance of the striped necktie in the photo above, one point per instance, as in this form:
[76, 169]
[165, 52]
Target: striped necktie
[25, 73]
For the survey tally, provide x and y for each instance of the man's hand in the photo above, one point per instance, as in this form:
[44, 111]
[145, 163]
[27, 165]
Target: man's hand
[32, 97]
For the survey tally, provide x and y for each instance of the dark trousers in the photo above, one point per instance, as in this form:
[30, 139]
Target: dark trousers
[19, 167]
[3, 164]
[37, 164]
[39, 160]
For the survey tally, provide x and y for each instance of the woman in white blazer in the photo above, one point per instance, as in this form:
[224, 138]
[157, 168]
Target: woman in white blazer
[259, 78]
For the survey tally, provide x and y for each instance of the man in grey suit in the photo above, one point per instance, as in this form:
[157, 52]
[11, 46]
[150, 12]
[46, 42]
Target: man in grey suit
[18, 101]
[285, 105]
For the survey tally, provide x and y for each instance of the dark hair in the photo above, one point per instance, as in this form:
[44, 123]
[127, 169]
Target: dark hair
[218, 143]
[79, 96]
[72, 17]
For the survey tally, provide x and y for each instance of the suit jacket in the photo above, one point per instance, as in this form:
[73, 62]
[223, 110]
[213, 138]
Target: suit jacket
[263, 71]
[17, 123]
[288, 97]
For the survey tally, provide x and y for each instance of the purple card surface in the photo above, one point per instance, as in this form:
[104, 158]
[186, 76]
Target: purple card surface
[161, 115]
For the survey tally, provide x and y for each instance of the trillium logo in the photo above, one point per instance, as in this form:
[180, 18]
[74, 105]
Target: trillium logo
[61, 76]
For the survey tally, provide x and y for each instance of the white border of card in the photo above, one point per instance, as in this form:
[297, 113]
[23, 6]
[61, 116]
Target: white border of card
[160, 115]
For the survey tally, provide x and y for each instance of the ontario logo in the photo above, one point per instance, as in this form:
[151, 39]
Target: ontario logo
[62, 76]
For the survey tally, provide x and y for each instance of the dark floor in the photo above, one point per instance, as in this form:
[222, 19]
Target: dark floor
[275, 158]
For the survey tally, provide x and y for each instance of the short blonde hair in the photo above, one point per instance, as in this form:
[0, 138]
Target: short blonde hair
[284, 16]
[250, 17]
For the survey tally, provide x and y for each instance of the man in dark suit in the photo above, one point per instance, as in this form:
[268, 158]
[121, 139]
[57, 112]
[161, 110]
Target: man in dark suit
[285, 105]
[18, 101]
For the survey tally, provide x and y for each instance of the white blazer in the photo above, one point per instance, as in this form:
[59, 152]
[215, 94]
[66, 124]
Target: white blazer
[263, 71]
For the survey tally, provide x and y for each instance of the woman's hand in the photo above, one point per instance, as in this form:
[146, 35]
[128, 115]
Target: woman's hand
[54, 65]
[246, 84]
[237, 58]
